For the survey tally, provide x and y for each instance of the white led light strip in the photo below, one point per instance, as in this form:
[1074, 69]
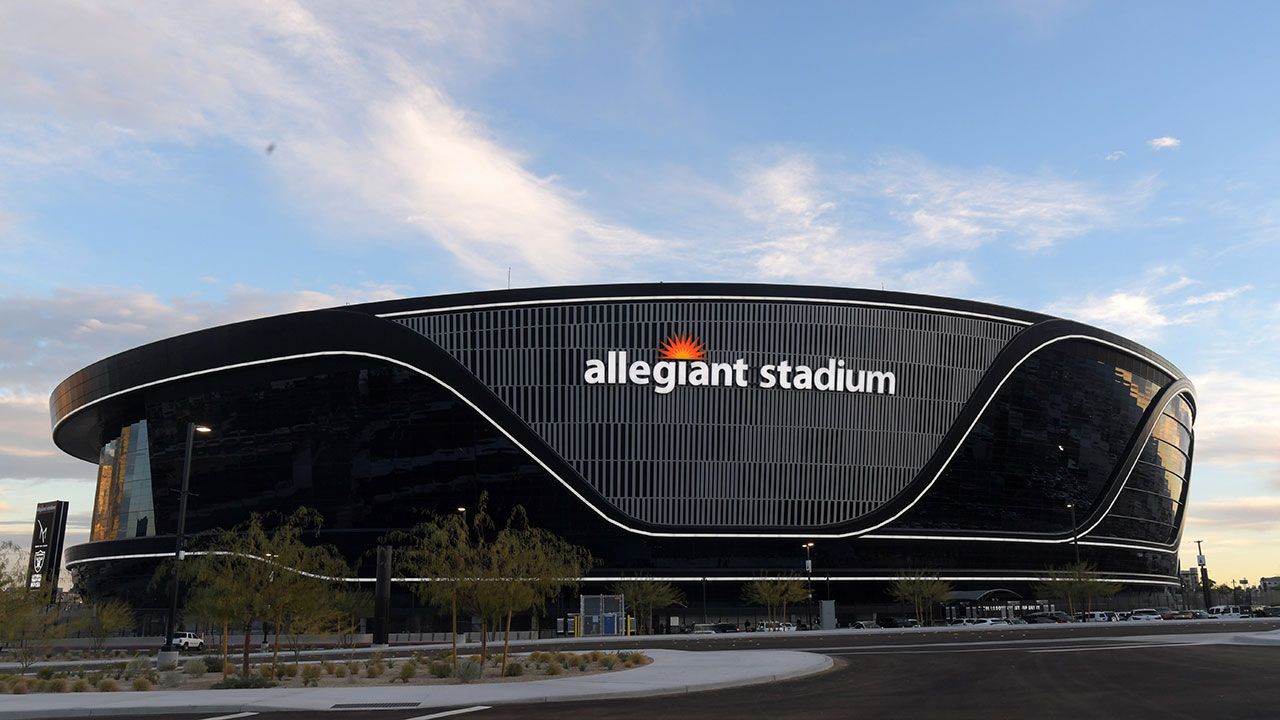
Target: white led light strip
[597, 510]
[757, 298]
[669, 578]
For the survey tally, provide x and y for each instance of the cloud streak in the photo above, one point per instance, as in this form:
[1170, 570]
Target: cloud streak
[366, 131]
[1164, 143]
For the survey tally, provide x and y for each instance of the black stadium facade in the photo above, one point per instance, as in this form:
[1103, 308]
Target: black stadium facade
[682, 431]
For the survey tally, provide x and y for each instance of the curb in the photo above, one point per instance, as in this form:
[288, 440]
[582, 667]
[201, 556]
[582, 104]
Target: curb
[282, 702]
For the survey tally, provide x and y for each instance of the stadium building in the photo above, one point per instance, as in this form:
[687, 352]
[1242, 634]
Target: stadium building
[703, 433]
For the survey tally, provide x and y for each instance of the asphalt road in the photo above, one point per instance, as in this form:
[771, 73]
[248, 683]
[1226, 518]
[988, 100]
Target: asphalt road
[1044, 673]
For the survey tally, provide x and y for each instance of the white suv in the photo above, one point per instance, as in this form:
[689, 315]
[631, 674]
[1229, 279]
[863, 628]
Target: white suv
[1145, 614]
[187, 641]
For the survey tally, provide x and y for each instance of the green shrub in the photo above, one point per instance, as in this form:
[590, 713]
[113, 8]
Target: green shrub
[142, 684]
[408, 671]
[608, 661]
[108, 685]
[515, 669]
[80, 685]
[171, 679]
[311, 676]
[19, 687]
[595, 655]
[327, 667]
[57, 685]
[537, 657]
[290, 671]
[340, 671]
[469, 670]
[137, 667]
[238, 683]
[45, 674]
[553, 668]
[573, 661]
[440, 669]
[195, 668]
[374, 668]
[212, 663]
[353, 667]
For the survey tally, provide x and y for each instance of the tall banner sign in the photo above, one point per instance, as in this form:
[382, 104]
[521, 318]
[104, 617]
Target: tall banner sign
[46, 546]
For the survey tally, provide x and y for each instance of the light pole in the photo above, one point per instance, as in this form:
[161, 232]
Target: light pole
[192, 429]
[808, 569]
[1075, 532]
[1204, 576]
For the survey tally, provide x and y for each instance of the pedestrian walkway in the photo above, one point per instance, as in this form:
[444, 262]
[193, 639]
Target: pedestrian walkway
[671, 672]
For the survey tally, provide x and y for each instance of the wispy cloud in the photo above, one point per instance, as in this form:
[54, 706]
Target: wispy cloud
[356, 102]
[1219, 296]
[1247, 513]
[1137, 315]
[1115, 155]
[900, 221]
[1164, 143]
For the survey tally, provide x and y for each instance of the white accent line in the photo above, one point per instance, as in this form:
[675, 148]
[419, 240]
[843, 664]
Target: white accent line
[1168, 401]
[447, 713]
[1112, 647]
[983, 409]
[765, 298]
[568, 486]
[232, 717]
[669, 578]
[1044, 541]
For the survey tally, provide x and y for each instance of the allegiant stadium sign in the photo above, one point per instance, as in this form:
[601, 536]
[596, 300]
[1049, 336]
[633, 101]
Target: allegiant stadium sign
[683, 362]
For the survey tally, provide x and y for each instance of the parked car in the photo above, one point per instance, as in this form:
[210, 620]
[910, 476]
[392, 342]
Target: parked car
[1228, 612]
[704, 629]
[1271, 611]
[776, 626]
[861, 625]
[1094, 616]
[1182, 615]
[1056, 616]
[989, 621]
[1199, 615]
[188, 641]
[723, 627]
[1145, 615]
[1017, 621]
[889, 621]
[1035, 619]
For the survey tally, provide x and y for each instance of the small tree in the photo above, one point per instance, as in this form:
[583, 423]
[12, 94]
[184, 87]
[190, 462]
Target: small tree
[646, 596]
[922, 591]
[216, 603]
[105, 619]
[352, 606]
[1078, 584]
[27, 621]
[441, 553]
[775, 594]
[536, 566]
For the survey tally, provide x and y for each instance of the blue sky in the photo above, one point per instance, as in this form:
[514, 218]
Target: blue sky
[1116, 164]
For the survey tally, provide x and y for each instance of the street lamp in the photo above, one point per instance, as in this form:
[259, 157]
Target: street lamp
[1204, 576]
[808, 569]
[192, 429]
[1075, 531]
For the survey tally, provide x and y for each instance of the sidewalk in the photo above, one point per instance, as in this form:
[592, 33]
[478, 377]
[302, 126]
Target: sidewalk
[672, 672]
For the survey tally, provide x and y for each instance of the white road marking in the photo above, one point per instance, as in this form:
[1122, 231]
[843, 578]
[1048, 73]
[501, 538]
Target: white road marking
[447, 713]
[1111, 647]
[232, 717]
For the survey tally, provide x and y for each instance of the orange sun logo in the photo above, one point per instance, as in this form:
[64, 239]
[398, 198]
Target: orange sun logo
[682, 347]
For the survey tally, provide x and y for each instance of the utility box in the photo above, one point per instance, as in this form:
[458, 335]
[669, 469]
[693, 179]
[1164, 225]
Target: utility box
[828, 615]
